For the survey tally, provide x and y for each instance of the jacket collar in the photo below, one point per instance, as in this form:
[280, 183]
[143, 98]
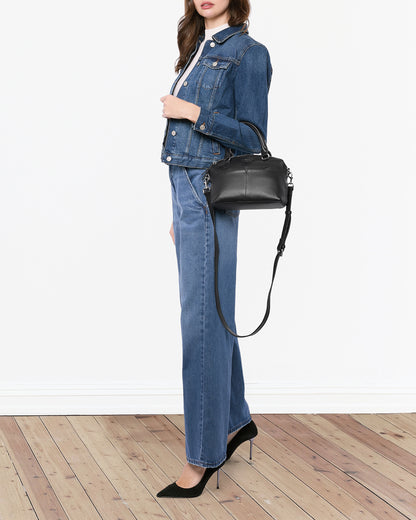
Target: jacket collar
[226, 33]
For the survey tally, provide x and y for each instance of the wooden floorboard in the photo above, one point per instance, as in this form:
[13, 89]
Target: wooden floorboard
[304, 466]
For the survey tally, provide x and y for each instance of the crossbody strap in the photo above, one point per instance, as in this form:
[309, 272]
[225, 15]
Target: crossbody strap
[280, 248]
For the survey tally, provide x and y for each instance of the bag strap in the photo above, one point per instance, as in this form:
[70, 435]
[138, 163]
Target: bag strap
[265, 152]
[280, 248]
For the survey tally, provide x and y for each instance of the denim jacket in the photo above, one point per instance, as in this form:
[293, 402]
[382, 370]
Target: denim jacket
[230, 82]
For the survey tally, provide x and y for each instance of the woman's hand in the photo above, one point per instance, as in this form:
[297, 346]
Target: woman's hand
[172, 234]
[177, 108]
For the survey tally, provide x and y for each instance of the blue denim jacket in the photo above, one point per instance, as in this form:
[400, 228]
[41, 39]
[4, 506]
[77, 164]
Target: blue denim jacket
[230, 82]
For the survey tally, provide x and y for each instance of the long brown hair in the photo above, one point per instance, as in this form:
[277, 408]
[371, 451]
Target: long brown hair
[192, 24]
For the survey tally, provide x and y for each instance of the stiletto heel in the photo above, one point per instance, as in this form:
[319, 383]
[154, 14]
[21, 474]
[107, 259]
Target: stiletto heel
[218, 479]
[247, 432]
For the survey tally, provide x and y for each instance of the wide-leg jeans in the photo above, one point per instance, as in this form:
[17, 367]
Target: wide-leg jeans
[212, 374]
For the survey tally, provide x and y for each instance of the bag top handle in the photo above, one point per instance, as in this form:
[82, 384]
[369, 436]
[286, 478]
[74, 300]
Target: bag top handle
[265, 152]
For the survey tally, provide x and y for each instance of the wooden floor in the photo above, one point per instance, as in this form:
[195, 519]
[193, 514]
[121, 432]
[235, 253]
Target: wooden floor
[320, 466]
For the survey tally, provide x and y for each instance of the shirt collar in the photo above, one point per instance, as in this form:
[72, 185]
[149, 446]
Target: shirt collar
[215, 30]
[222, 36]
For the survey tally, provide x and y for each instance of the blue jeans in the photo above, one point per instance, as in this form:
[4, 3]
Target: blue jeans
[212, 375]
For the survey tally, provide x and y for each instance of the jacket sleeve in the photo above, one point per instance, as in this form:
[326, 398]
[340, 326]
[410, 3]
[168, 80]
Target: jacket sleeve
[251, 88]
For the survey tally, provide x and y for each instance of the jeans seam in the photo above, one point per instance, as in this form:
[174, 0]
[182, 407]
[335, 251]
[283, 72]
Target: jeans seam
[203, 325]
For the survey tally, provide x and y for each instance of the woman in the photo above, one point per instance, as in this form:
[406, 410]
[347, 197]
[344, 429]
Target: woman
[224, 78]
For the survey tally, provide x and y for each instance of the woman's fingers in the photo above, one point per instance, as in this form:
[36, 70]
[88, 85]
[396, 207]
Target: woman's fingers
[165, 105]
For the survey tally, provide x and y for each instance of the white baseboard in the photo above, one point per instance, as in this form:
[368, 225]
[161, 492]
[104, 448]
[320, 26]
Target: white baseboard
[133, 398]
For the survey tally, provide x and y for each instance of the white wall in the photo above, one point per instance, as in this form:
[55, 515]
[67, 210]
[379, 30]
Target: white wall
[89, 305]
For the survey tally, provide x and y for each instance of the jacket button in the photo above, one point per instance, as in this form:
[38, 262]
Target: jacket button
[173, 132]
[185, 83]
[215, 63]
[168, 158]
[212, 44]
[202, 127]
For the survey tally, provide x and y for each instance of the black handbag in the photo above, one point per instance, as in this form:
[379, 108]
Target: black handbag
[250, 181]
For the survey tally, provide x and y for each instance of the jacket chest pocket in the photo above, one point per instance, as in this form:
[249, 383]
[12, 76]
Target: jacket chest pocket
[213, 71]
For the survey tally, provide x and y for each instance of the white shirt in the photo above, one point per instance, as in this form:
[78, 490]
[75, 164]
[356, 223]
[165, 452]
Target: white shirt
[208, 35]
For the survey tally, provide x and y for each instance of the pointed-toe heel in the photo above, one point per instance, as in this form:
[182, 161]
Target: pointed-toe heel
[247, 432]
[175, 491]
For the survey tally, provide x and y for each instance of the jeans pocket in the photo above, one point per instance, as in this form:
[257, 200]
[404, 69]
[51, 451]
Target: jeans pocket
[194, 177]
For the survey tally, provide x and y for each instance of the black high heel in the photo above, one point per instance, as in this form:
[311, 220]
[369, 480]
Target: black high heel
[173, 490]
[247, 432]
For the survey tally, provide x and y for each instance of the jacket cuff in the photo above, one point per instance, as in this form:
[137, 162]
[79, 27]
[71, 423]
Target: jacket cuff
[227, 130]
[204, 122]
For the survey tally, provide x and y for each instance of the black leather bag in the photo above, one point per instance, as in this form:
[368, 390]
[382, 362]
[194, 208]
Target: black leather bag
[250, 181]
